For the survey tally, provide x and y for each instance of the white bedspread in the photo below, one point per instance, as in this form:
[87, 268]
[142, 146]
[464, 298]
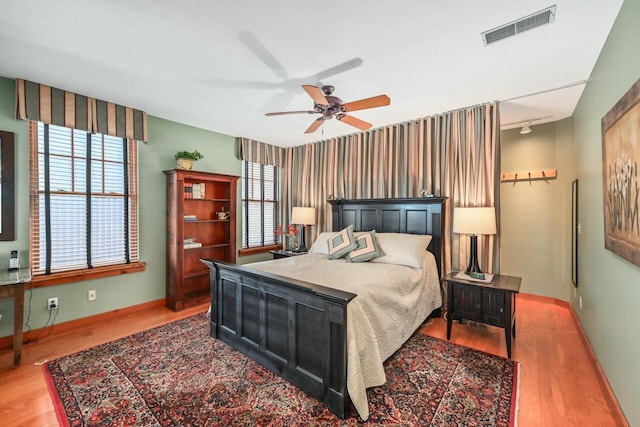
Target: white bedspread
[392, 302]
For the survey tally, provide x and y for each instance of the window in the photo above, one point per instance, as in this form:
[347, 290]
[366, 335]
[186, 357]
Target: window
[260, 204]
[84, 200]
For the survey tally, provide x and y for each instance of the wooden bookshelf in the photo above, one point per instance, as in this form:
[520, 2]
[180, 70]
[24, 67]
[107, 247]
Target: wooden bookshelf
[193, 201]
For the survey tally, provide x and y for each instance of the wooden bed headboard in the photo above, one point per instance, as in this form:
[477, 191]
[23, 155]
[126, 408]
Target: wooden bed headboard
[419, 215]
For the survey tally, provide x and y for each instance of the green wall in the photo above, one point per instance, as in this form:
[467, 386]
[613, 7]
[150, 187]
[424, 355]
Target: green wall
[165, 139]
[535, 216]
[609, 285]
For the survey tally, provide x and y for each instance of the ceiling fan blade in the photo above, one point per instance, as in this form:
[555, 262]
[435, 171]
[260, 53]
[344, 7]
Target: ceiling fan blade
[280, 101]
[260, 50]
[353, 121]
[315, 125]
[281, 113]
[316, 94]
[240, 84]
[340, 68]
[376, 101]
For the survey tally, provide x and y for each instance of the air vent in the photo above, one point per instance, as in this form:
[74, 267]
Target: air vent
[546, 16]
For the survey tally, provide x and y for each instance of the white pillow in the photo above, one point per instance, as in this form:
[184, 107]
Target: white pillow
[402, 249]
[321, 245]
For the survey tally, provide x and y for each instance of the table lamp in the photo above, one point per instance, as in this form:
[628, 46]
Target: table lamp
[302, 217]
[474, 221]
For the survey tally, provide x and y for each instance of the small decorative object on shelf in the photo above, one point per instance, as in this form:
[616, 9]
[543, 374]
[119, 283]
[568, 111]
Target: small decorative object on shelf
[188, 190]
[190, 243]
[198, 190]
[223, 214]
[185, 159]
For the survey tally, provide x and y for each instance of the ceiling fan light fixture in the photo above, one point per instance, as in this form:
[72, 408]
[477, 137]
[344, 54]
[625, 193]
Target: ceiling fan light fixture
[331, 106]
[525, 128]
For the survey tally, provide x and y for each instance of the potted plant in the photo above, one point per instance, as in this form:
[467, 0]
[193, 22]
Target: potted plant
[185, 159]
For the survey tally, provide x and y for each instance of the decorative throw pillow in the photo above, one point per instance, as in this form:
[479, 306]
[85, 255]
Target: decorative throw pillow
[367, 248]
[402, 249]
[342, 243]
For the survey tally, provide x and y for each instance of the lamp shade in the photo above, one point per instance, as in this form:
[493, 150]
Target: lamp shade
[480, 220]
[304, 216]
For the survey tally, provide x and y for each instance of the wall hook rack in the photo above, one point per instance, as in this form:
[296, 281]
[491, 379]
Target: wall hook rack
[529, 175]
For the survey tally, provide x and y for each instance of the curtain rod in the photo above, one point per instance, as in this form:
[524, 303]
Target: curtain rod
[568, 85]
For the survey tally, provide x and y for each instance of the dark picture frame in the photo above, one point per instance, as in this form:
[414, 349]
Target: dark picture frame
[620, 159]
[575, 231]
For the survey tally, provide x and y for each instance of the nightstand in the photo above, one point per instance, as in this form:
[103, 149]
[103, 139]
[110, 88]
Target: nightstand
[490, 303]
[285, 254]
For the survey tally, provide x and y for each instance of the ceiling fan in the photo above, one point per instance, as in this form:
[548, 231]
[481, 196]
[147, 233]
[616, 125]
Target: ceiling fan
[331, 106]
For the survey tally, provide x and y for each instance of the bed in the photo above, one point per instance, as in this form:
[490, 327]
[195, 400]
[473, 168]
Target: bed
[294, 320]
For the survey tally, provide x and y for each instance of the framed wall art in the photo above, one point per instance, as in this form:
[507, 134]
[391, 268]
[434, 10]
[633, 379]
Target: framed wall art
[620, 158]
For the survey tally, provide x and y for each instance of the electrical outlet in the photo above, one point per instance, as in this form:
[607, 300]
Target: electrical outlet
[91, 295]
[580, 303]
[52, 303]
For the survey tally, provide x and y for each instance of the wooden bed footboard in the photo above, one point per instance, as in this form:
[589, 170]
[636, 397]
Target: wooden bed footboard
[293, 328]
[298, 329]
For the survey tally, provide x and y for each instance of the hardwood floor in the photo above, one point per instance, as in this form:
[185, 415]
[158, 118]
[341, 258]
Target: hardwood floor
[558, 385]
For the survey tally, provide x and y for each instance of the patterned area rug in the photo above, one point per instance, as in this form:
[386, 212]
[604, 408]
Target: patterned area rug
[177, 375]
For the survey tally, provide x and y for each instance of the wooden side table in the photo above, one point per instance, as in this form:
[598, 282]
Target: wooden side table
[12, 286]
[285, 254]
[490, 303]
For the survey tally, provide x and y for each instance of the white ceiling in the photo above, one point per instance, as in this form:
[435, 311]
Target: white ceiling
[206, 63]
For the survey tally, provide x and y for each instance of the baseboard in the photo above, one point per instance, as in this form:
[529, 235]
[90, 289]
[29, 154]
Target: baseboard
[612, 402]
[60, 328]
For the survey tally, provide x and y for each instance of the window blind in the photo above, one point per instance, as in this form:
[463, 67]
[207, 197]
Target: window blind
[260, 203]
[83, 199]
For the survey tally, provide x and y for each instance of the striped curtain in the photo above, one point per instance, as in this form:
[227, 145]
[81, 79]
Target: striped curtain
[259, 152]
[55, 106]
[454, 154]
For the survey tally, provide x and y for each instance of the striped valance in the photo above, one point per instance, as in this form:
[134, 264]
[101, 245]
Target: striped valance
[46, 104]
[259, 152]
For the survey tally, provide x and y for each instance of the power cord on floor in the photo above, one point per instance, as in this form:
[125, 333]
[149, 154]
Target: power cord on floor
[44, 328]
[29, 309]
[50, 319]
